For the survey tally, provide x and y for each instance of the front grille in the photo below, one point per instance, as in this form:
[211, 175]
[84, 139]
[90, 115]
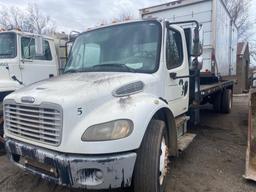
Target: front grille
[41, 123]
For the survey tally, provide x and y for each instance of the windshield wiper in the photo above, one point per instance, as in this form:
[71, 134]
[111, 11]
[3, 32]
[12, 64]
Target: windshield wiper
[105, 66]
[3, 54]
[114, 65]
[73, 71]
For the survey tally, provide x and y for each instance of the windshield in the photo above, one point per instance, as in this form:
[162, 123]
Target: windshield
[7, 45]
[132, 47]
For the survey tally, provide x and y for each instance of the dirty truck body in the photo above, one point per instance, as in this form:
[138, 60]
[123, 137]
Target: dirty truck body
[126, 96]
[19, 64]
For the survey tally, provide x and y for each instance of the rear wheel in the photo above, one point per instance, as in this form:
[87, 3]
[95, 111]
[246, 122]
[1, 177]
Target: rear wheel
[217, 102]
[227, 101]
[152, 160]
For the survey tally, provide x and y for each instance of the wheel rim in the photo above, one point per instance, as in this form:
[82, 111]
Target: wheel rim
[230, 101]
[163, 167]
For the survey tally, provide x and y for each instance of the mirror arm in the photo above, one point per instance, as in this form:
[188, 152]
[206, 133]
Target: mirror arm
[174, 76]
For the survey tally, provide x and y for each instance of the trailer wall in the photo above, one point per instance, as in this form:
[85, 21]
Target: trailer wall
[219, 33]
[225, 41]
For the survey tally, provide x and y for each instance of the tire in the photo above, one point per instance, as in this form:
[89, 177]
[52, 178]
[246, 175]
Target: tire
[147, 174]
[217, 102]
[227, 101]
[1, 128]
[2, 149]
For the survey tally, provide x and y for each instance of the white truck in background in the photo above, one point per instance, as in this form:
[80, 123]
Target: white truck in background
[120, 109]
[26, 58]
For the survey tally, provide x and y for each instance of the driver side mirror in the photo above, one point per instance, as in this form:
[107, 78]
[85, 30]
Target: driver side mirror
[196, 45]
[39, 50]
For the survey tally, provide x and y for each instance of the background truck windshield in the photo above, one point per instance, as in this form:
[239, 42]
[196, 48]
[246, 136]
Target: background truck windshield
[132, 47]
[7, 45]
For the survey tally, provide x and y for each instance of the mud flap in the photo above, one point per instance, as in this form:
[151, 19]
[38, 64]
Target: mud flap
[250, 172]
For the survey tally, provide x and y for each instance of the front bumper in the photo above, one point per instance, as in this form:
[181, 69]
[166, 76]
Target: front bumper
[78, 171]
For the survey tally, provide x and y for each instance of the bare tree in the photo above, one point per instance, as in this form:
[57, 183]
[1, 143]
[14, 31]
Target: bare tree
[123, 16]
[239, 11]
[28, 20]
[10, 17]
[253, 49]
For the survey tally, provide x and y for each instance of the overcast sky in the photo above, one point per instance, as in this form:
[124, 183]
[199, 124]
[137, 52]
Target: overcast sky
[82, 14]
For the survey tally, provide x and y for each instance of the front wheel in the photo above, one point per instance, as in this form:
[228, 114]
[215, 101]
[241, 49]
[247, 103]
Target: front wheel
[152, 160]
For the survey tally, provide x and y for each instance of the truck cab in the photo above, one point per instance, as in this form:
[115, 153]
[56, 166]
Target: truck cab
[19, 63]
[116, 114]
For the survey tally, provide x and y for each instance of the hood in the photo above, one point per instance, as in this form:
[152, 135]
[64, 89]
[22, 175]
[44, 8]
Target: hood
[79, 86]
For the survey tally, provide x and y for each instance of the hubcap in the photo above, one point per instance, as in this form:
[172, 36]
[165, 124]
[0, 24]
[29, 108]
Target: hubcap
[163, 167]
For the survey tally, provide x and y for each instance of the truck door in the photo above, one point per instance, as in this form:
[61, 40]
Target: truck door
[9, 61]
[177, 90]
[35, 68]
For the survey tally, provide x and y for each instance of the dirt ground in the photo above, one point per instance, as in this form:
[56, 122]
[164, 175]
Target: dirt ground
[214, 162]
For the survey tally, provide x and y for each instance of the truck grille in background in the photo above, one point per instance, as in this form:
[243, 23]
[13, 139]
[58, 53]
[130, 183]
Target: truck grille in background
[38, 123]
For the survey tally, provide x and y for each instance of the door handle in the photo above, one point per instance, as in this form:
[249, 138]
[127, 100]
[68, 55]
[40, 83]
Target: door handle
[51, 75]
[26, 60]
[21, 66]
[173, 75]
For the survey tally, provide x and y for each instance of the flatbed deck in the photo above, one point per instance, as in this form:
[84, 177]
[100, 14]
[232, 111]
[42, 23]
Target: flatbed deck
[208, 89]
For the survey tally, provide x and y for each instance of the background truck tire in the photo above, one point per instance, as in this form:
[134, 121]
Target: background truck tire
[227, 100]
[146, 174]
[217, 102]
[2, 149]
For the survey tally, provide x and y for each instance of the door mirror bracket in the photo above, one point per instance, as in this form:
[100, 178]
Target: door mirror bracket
[173, 75]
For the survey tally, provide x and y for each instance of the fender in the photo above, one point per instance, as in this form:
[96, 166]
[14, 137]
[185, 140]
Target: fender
[140, 108]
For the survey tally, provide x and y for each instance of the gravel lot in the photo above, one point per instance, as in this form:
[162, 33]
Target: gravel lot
[214, 162]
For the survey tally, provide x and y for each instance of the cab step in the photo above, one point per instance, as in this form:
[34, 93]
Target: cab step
[181, 125]
[185, 140]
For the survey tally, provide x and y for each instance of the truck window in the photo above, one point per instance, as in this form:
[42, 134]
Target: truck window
[132, 47]
[28, 49]
[7, 45]
[88, 55]
[174, 50]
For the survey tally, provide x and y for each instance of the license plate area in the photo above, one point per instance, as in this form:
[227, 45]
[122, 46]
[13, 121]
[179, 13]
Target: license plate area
[37, 166]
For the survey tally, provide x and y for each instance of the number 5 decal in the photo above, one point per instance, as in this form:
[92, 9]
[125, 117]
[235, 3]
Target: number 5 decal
[79, 111]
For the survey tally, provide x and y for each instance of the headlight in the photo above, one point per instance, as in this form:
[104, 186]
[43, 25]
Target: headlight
[112, 130]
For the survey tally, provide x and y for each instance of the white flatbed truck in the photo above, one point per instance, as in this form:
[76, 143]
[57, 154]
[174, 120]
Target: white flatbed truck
[119, 111]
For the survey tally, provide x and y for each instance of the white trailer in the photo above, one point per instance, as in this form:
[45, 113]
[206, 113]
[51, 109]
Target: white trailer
[219, 31]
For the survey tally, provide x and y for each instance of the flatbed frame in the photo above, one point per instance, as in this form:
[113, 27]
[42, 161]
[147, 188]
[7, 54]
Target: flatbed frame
[209, 89]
